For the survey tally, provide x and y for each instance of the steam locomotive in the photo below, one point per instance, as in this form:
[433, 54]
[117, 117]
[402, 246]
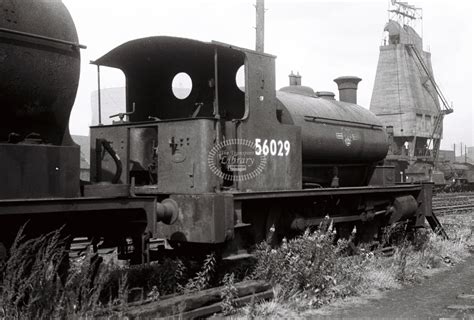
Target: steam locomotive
[454, 177]
[226, 167]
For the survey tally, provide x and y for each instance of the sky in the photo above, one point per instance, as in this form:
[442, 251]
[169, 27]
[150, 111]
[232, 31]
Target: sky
[320, 39]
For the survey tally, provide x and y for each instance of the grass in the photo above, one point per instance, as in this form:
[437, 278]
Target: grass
[306, 272]
[366, 274]
[40, 281]
[35, 286]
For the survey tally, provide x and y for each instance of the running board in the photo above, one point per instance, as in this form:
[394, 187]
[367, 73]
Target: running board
[436, 226]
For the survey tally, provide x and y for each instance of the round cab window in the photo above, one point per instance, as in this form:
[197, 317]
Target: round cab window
[182, 85]
[240, 78]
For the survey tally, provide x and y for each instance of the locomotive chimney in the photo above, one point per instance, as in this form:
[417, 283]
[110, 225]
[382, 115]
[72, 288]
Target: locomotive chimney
[295, 79]
[347, 88]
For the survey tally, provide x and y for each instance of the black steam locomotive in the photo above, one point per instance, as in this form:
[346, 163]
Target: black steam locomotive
[221, 167]
[454, 177]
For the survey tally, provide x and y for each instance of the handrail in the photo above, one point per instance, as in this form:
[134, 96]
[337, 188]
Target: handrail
[37, 36]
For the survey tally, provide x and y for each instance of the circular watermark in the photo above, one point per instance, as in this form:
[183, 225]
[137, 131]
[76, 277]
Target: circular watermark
[235, 160]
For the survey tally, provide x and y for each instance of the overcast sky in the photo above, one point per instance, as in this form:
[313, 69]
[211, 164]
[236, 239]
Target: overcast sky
[320, 39]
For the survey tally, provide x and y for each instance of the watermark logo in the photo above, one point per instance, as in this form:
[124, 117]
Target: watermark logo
[236, 160]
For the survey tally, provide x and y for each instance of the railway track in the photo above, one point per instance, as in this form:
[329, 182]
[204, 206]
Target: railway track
[201, 303]
[453, 202]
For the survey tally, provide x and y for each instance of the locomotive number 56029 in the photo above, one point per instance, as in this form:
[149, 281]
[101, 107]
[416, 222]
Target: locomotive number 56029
[272, 147]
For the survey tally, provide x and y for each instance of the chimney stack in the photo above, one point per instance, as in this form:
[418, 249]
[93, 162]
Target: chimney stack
[295, 79]
[347, 88]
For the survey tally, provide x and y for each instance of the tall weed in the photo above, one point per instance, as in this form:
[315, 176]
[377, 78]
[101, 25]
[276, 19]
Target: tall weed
[36, 284]
[308, 264]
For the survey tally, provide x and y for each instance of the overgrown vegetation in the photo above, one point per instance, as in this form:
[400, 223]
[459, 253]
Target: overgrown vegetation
[35, 284]
[203, 278]
[306, 272]
[40, 281]
[310, 265]
[228, 294]
[311, 271]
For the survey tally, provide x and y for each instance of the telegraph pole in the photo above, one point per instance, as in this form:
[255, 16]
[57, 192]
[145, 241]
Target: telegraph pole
[260, 28]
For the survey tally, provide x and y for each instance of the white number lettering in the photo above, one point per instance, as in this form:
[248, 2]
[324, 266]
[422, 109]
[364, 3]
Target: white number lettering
[265, 147]
[273, 147]
[280, 148]
[258, 148]
[287, 147]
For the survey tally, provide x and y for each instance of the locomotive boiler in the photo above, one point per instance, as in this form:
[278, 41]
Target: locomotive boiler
[333, 132]
[221, 167]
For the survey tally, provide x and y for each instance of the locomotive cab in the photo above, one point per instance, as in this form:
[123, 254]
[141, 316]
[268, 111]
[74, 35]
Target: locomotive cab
[200, 149]
[165, 140]
[150, 64]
